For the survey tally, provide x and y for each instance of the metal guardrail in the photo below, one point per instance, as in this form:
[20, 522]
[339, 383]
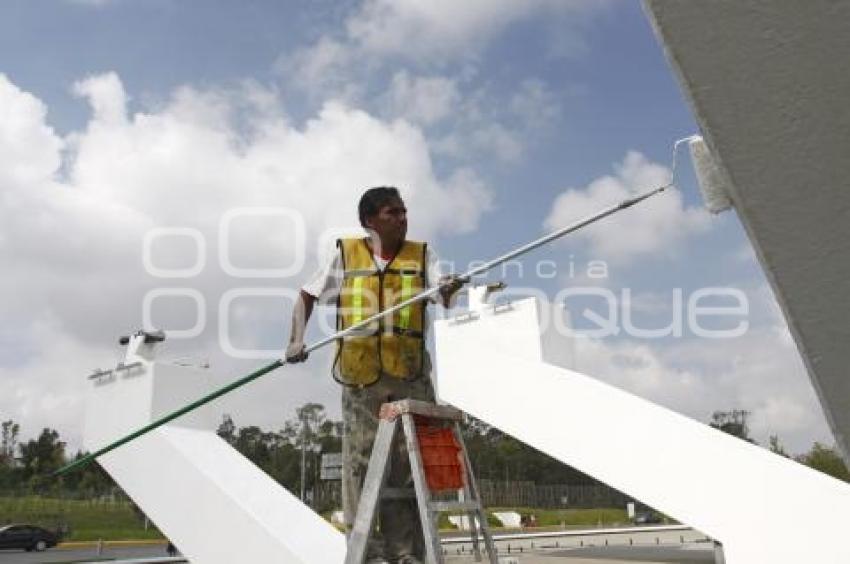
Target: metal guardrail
[574, 533]
[157, 560]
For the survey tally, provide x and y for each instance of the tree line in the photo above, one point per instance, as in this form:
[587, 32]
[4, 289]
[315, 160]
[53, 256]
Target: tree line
[28, 466]
[820, 457]
[292, 455]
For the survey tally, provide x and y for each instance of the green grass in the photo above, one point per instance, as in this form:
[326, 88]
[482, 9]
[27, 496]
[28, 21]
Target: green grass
[90, 521]
[87, 520]
[576, 517]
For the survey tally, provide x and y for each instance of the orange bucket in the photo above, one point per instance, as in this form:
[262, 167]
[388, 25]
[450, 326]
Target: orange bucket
[441, 456]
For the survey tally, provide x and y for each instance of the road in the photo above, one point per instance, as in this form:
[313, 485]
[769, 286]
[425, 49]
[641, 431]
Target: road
[647, 547]
[85, 554]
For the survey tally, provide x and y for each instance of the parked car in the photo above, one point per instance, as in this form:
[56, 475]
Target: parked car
[28, 537]
[647, 518]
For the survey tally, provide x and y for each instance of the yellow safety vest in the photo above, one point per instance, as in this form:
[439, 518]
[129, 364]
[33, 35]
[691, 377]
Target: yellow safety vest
[395, 345]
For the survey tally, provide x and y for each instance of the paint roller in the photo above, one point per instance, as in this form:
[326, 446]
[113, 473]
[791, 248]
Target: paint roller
[714, 184]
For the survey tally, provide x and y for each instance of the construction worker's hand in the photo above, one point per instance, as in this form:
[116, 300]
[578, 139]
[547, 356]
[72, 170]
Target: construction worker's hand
[449, 285]
[300, 314]
[295, 352]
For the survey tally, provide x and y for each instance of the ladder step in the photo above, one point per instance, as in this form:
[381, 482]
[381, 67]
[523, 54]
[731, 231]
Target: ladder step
[464, 506]
[416, 407]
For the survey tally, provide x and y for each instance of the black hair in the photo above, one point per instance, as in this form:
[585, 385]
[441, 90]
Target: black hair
[373, 199]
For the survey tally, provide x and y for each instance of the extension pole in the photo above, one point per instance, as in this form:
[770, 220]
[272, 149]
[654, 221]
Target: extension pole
[344, 333]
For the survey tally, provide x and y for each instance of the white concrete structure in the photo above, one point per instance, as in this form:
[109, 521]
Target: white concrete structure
[213, 503]
[769, 83]
[510, 519]
[459, 522]
[764, 508]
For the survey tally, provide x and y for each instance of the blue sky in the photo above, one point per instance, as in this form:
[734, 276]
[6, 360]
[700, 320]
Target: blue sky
[499, 120]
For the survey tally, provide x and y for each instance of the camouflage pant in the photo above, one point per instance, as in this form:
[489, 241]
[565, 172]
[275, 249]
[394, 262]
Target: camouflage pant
[400, 530]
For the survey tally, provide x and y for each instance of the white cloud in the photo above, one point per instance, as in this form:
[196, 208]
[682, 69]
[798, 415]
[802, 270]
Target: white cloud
[71, 246]
[29, 148]
[491, 141]
[106, 95]
[463, 122]
[497, 127]
[424, 34]
[657, 225]
[48, 389]
[535, 104]
[423, 99]
[496, 139]
[441, 28]
[472, 118]
[464, 199]
[322, 67]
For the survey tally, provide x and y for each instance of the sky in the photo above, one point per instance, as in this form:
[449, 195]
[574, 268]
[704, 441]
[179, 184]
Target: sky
[187, 164]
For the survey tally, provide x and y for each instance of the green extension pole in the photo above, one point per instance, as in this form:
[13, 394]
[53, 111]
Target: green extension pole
[344, 333]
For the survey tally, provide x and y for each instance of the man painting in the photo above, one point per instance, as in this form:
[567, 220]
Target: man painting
[385, 361]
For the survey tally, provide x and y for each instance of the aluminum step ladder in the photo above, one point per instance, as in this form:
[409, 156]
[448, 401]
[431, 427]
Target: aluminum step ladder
[468, 502]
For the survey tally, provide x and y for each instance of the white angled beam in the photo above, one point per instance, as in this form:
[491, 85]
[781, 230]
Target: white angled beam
[213, 503]
[764, 508]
